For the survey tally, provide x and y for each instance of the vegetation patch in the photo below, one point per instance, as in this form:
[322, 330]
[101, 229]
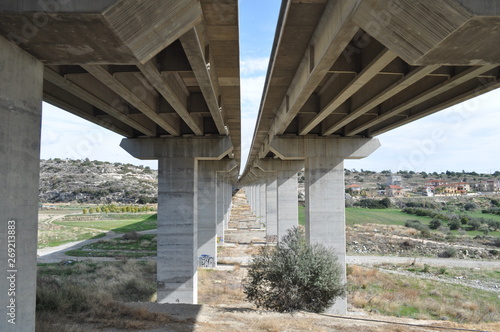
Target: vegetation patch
[130, 245]
[73, 294]
[294, 276]
[397, 295]
[120, 225]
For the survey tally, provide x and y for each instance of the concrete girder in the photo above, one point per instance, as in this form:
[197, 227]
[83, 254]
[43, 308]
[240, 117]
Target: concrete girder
[434, 91]
[176, 100]
[334, 28]
[391, 91]
[97, 32]
[302, 147]
[458, 25]
[67, 85]
[201, 148]
[114, 84]
[367, 74]
[205, 74]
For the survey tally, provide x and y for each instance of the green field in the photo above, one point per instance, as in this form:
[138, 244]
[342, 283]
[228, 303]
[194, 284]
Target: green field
[395, 217]
[372, 216]
[131, 223]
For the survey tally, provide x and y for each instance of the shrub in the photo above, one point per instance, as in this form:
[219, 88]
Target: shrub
[449, 252]
[294, 276]
[435, 224]
[470, 206]
[454, 224]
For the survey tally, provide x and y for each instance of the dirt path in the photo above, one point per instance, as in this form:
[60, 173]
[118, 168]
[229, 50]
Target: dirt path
[58, 254]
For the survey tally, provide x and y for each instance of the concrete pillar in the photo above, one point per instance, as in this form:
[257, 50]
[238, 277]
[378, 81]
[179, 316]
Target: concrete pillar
[21, 84]
[325, 210]
[220, 216]
[324, 184]
[262, 203]
[208, 202]
[178, 208]
[287, 189]
[177, 230]
[272, 207]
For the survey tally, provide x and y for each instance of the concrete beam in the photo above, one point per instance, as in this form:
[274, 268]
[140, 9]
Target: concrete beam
[201, 148]
[407, 80]
[205, 73]
[20, 128]
[368, 73]
[66, 84]
[301, 147]
[467, 27]
[165, 88]
[95, 31]
[434, 91]
[114, 84]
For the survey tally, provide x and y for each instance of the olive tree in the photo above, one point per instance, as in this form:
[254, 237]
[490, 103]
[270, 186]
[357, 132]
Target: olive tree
[294, 276]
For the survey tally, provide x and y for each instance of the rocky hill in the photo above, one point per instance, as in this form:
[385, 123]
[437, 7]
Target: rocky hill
[85, 181]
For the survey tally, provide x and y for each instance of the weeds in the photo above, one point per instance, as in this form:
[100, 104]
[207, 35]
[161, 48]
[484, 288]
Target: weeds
[397, 295]
[91, 293]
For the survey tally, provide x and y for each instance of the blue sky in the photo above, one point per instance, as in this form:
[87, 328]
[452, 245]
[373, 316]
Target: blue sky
[464, 137]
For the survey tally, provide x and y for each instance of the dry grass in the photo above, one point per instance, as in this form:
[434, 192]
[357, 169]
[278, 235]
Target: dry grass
[421, 299]
[217, 287]
[93, 295]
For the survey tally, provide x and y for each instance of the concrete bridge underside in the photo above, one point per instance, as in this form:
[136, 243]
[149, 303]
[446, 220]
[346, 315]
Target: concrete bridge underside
[165, 75]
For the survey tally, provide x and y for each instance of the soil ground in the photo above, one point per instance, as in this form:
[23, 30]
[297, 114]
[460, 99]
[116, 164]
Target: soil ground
[224, 307]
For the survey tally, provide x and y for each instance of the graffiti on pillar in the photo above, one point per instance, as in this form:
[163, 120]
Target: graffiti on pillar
[220, 240]
[206, 261]
[272, 238]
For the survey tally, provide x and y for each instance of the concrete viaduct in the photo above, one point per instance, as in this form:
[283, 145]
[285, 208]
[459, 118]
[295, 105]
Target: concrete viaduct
[165, 75]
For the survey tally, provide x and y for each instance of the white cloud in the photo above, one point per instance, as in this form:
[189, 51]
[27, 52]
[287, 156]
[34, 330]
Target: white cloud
[251, 66]
[67, 136]
[463, 137]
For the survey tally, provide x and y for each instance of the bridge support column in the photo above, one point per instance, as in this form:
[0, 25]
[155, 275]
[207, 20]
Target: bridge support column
[178, 208]
[272, 207]
[21, 87]
[287, 214]
[208, 203]
[325, 199]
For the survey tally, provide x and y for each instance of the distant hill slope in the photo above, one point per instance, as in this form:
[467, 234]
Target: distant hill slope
[86, 181]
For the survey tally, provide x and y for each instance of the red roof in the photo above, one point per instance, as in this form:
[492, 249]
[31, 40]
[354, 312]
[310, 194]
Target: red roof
[392, 186]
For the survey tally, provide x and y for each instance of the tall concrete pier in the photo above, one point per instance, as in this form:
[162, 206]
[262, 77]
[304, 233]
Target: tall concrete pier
[165, 75]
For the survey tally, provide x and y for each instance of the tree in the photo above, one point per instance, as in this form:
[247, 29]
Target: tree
[294, 276]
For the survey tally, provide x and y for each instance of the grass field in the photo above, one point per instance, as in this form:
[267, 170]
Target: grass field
[372, 216]
[130, 223]
[395, 217]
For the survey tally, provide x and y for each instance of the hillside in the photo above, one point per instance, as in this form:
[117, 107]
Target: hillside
[85, 181]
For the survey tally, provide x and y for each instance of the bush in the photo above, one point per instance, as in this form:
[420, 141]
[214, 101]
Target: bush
[435, 224]
[470, 206]
[294, 276]
[448, 253]
[454, 224]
